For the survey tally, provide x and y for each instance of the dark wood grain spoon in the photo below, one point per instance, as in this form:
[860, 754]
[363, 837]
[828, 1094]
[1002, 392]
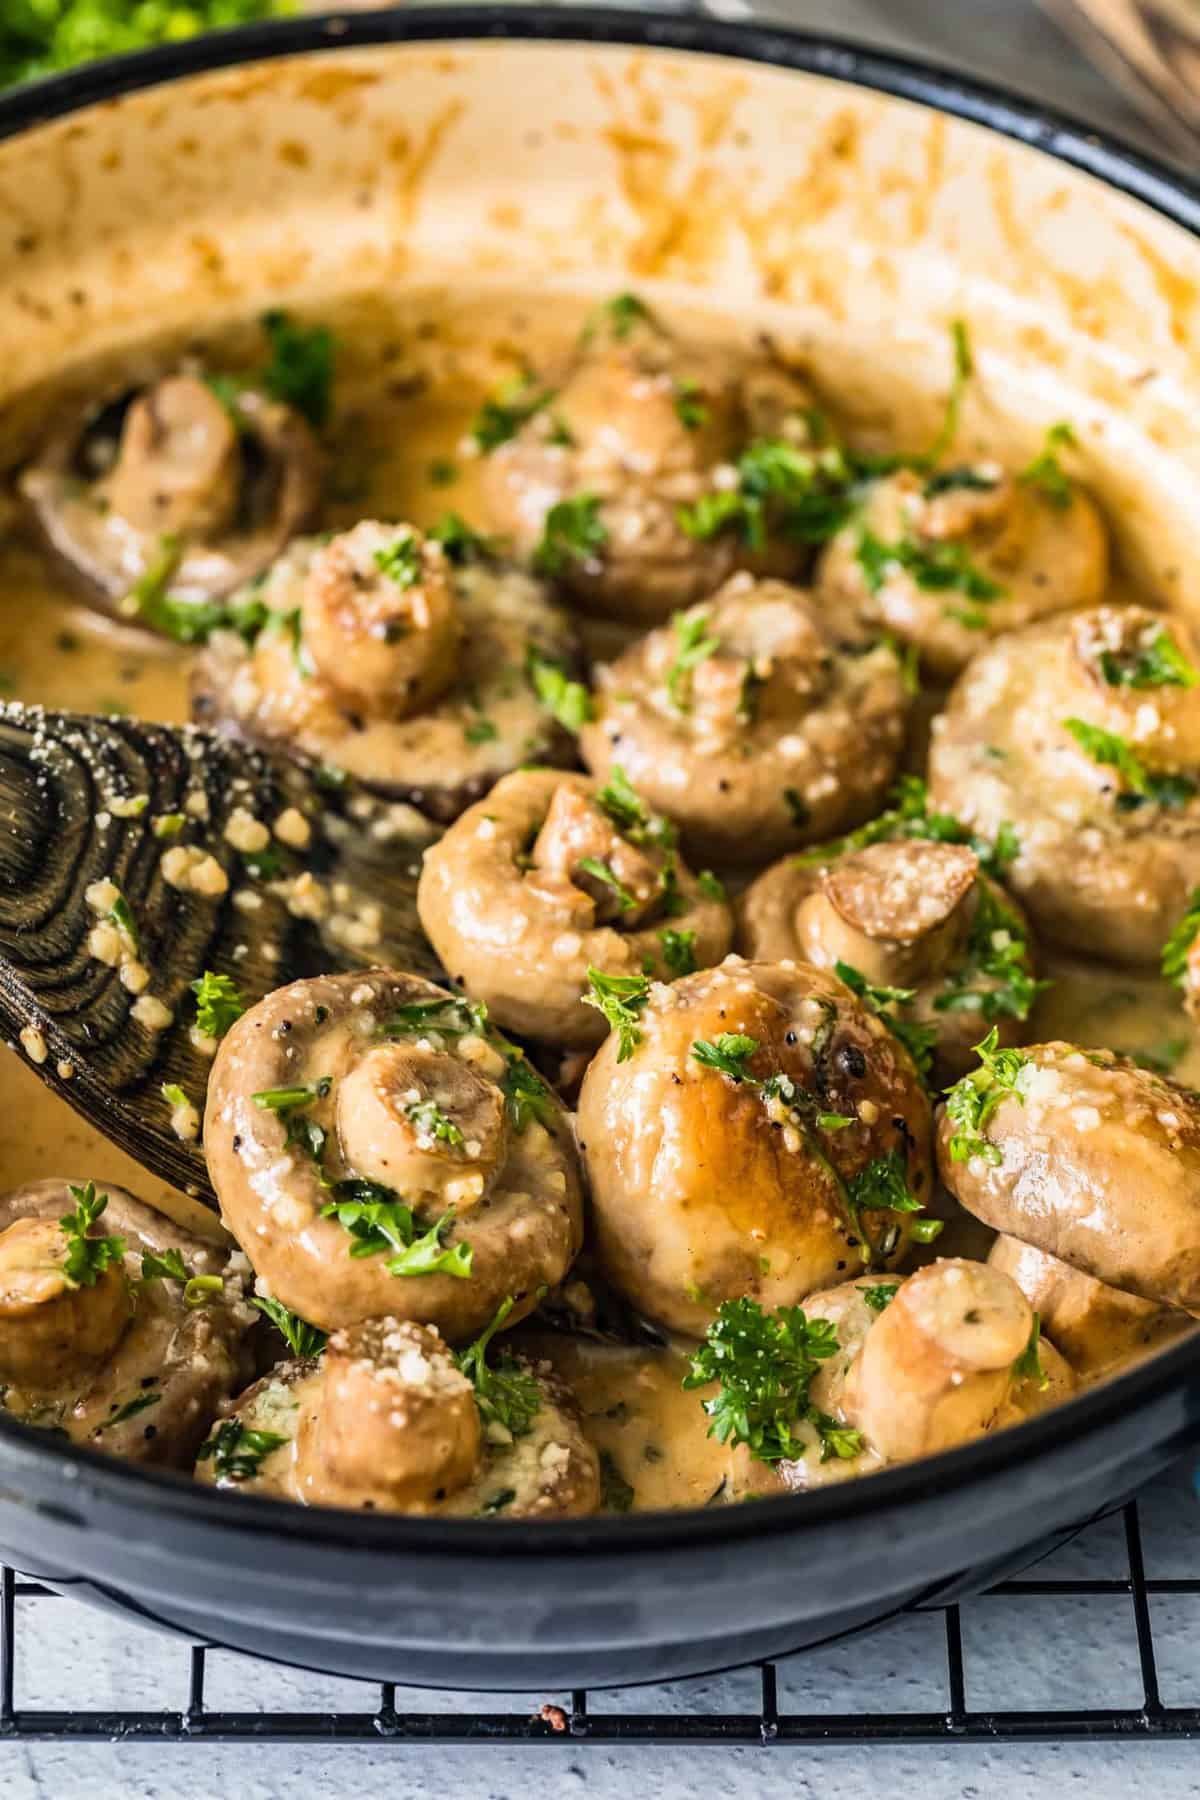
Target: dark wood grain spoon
[202, 839]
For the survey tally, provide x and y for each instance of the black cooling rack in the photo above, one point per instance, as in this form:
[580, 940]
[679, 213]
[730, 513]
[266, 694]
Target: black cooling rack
[767, 1723]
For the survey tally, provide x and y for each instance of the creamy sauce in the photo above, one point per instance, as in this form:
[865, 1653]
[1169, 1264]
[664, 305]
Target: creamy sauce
[407, 388]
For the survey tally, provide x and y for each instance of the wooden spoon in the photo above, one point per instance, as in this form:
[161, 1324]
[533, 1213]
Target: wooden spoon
[220, 857]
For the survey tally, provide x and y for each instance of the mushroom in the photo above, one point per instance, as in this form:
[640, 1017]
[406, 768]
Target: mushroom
[552, 875]
[383, 657]
[169, 485]
[377, 1150]
[915, 918]
[1086, 1157]
[749, 1130]
[922, 1364]
[750, 724]
[597, 484]
[1082, 736]
[946, 561]
[129, 1356]
[1098, 1328]
[385, 1419]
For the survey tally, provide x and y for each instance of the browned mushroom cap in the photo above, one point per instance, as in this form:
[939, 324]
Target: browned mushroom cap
[1088, 1158]
[383, 658]
[749, 724]
[550, 876]
[1097, 1328]
[1082, 735]
[384, 1420]
[1003, 551]
[746, 1133]
[638, 428]
[135, 1367]
[912, 915]
[377, 1151]
[169, 478]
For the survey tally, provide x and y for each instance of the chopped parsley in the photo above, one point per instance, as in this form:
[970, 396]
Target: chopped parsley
[997, 954]
[730, 1054]
[302, 1338]
[1143, 788]
[508, 1395]
[799, 495]
[432, 1122]
[450, 1015]
[1029, 1365]
[619, 316]
[139, 1404]
[971, 1102]
[1046, 473]
[502, 415]
[526, 1094]
[573, 532]
[170, 1266]
[1175, 950]
[1159, 663]
[881, 1297]
[939, 567]
[400, 560]
[910, 816]
[601, 872]
[379, 1221]
[881, 1186]
[236, 1450]
[286, 1099]
[919, 1040]
[619, 801]
[87, 1257]
[120, 914]
[620, 999]
[219, 1003]
[710, 885]
[300, 372]
[690, 407]
[963, 370]
[764, 1364]
[459, 541]
[678, 952]
[694, 645]
[568, 700]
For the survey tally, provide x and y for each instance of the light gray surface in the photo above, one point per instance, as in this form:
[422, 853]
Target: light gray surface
[1025, 1654]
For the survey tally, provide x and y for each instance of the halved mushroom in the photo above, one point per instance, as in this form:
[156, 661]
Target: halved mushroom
[382, 657]
[923, 1363]
[550, 876]
[749, 1130]
[915, 918]
[386, 1420]
[170, 485]
[637, 430]
[129, 1356]
[948, 560]
[1082, 735]
[377, 1150]
[1098, 1328]
[750, 724]
[1086, 1157]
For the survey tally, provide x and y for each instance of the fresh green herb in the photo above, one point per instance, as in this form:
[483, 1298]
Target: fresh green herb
[710, 885]
[997, 954]
[600, 871]
[1046, 473]
[121, 916]
[937, 567]
[616, 1494]
[374, 1215]
[302, 1338]
[441, 472]
[971, 1102]
[881, 1297]
[919, 1040]
[959, 479]
[799, 495]
[427, 1255]
[481, 730]
[568, 700]
[508, 1395]
[620, 999]
[300, 372]
[630, 814]
[139, 1404]
[174, 1095]
[200, 1289]
[527, 1095]
[1159, 663]
[910, 816]
[285, 1099]
[400, 560]
[502, 415]
[47, 35]
[729, 1053]
[1175, 950]
[459, 541]
[690, 407]
[169, 1266]
[432, 1122]
[801, 1104]
[882, 1186]
[219, 1003]
[87, 1257]
[678, 952]
[450, 1015]
[619, 316]
[1111, 751]
[573, 532]
[1029, 1365]
[695, 645]
[168, 825]
[764, 1364]
[236, 1450]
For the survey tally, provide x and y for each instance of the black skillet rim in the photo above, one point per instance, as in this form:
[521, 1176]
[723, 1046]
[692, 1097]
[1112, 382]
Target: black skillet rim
[1093, 153]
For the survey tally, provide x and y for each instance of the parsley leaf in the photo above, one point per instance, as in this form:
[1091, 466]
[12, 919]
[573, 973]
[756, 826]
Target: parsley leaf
[285, 1100]
[451, 1015]
[568, 700]
[1112, 751]
[139, 1404]
[695, 645]
[572, 532]
[300, 373]
[963, 370]
[619, 316]
[169, 1266]
[935, 567]
[765, 1364]
[710, 885]
[910, 816]
[219, 1003]
[502, 415]
[601, 872]
[678, 952]
[433, 1123]
[1175, 950]
[1029, 1365]
[998, 952]
[730, 1054]
[919, 1040]
[400, 560]
[374, 1215]
[237, 1450]
[1046, 473]
[527, 1095]
[302, 1338]
[690, 407]
[508, 1395]
[881, 1297]
[459, 541]
[1159, 663]
[620, 998]
[87, 1257]
[619, 801]
[971, 1102]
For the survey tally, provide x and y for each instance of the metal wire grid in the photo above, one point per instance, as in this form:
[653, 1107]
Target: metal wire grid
[570, 1725]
